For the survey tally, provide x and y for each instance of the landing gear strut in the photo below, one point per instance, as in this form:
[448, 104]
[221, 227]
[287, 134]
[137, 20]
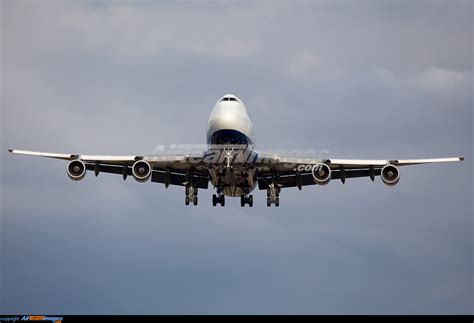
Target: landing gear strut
[218, 199]
[246, 200]
[191, 195]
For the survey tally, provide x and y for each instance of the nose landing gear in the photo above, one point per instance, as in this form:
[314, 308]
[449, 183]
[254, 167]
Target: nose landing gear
[218, 199]
[246, 200]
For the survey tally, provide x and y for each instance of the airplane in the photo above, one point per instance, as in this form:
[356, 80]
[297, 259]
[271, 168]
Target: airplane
[232, 164]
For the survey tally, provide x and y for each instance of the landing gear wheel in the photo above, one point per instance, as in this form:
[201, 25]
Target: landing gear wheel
[277, 202]
[186, 200]
[187, 190]
[222, 200]
[269, 202]
[242, 201]
[250, 201]
[195, 191]
[214, 200]
[195, 200]
[268, 193]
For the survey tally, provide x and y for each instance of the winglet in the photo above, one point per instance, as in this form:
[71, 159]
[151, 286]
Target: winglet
[461, 158]
[10, 150]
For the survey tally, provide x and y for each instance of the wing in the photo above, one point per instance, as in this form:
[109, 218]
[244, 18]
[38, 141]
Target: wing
[298, 172]
[167, 169]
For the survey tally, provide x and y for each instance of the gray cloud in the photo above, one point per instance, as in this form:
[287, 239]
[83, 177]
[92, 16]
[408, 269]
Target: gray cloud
[364, 79]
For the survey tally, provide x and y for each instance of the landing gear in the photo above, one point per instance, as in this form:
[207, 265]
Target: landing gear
[273, 196]
[218, 199]
[246, 200]
[191, 195]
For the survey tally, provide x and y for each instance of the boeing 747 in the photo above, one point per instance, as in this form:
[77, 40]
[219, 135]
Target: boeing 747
[232, 165]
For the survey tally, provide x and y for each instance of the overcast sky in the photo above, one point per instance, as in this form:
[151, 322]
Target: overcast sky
[368, 79]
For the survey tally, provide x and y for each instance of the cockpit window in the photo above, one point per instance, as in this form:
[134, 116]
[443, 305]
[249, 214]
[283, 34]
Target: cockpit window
[229, 99]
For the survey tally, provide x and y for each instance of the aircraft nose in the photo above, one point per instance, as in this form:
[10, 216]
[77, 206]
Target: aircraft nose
[231, 117]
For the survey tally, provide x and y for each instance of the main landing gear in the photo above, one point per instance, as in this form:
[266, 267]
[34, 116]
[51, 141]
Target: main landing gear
[273, 196]
[218, 199]
[246, 200]
[191, 195]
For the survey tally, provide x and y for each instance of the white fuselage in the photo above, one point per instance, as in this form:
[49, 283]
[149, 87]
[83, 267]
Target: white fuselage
[230, 124]
[229, 117]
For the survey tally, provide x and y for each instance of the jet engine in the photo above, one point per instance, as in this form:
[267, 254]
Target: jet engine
[321, 174]
[76, 170]
[390, 175]
[141, 171]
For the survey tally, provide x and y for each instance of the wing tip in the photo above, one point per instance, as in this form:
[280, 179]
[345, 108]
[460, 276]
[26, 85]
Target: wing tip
[10, 150]
[461, 158]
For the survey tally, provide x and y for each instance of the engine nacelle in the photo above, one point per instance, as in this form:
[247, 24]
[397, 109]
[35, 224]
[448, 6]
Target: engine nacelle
[76, 170]
[141, 171]
[390, 175]
[321, 174]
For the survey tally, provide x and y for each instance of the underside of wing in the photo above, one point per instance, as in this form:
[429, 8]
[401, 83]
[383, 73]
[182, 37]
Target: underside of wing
[306, 178]
[167, 176]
